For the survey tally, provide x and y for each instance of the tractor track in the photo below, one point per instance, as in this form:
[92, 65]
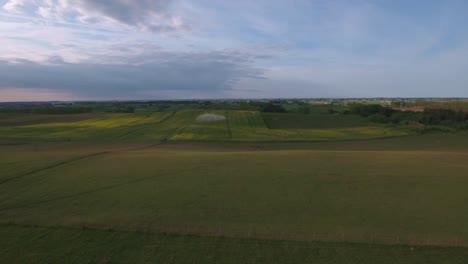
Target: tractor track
[91, 191]
[58, 164]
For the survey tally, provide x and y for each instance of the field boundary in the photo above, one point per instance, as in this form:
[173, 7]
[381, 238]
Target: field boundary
[370, 239]
[228, 125]
[286, 141]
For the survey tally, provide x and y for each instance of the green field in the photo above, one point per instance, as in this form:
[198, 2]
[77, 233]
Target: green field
[65, 245]
[313, 121]
[28, 119]
[139, 188]
[182, 125]
[298, 193]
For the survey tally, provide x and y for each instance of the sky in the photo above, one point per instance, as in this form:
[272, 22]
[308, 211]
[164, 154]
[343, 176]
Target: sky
[211, 49]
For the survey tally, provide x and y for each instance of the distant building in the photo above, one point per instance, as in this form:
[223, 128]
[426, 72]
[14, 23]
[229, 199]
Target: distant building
[408, 109]
[317, 102]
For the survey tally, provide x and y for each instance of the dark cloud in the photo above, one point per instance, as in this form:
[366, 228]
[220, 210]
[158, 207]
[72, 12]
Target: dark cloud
[126, 11]
[149, 15]
[213, 72]
[153, 15]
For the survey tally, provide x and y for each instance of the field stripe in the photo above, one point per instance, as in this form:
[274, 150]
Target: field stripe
[129, 132]
[143, 126]
[228, 124]
[265, 121]
[164, 120]
[167, 117]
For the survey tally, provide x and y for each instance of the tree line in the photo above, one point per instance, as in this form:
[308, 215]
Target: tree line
[430, 116]
[46, 110]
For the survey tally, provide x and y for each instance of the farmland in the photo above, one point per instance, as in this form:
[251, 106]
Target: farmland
[323, 121]
[250, 188]
[182, 125]
[65, 245]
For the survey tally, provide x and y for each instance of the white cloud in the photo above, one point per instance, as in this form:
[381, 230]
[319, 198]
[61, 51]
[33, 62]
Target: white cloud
[17, 6]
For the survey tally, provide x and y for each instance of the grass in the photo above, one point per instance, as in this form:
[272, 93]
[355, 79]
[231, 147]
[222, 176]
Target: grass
[316, 108]
[64, 245]
[313, 121]
[29, 119]
[107, 127]
[161, 187]
[181, 126]
[297, 194]
[456, 105]
[251, 126]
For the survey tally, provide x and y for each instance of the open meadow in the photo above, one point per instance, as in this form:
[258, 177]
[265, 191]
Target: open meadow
[251, 188]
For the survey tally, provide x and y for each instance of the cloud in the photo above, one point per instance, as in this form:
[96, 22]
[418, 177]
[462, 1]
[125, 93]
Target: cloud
[187, 49]
[141, 74]
[145, 15]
